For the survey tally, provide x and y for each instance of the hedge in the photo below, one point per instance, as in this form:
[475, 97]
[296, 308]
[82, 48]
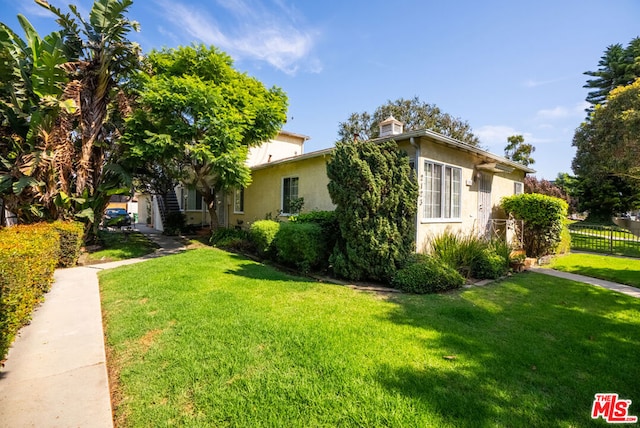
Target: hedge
[71, 235]
[262, 233]
[424, 274]
[300, 245]
[28, 258]
[543, 220]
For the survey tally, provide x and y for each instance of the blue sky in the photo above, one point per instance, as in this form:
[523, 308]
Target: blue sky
[506, 67]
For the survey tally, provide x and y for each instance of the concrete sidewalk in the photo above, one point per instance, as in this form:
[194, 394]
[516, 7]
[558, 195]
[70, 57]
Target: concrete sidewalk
[620, 288]
[56, 374]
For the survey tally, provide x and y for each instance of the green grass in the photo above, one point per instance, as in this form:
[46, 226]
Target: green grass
[206, 338]
[118, 245]
[616, 269]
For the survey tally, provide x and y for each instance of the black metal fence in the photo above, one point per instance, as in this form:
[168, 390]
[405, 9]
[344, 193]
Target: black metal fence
[604, 239]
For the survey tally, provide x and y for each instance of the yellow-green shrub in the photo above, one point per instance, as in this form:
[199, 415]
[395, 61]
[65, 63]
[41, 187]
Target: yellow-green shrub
[28, 258]
[71, 234]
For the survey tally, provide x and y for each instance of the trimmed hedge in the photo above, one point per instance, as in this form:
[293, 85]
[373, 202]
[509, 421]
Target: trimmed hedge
[426, 274]
[543, 217]
[262, 233]
[71, 236]
[232, 239]
[28, 257]
[300, 245]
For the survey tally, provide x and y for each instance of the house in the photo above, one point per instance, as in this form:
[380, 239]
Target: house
[460, 186]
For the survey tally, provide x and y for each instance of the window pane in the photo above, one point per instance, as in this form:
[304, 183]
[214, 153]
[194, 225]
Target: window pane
[447, 193]
[289, 193]
[456, 193]
[437, 192]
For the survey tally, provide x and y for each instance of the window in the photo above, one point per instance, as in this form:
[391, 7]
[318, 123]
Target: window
[517, 188]
[443, 189]
[289, 194]
[194, 200]
[238, 201]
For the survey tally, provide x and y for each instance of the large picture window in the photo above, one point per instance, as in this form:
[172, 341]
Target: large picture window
[443, 189]
[289, 194]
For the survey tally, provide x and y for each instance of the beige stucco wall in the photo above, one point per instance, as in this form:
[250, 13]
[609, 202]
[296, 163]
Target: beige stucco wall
[502, 185]
[283, 146]
[263, 195]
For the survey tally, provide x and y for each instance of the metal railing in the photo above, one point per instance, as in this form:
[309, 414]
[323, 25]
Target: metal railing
[509, 230]
[604, 239]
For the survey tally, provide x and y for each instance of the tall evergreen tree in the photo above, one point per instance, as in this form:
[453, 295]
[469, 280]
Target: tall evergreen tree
[375, 193]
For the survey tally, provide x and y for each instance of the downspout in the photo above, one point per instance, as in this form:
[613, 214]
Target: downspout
[412, 141]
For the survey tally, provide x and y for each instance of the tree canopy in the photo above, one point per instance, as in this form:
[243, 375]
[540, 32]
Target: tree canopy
[414, 114]
[199, 113]
[61, 110]
[618, 66]
[519, 151]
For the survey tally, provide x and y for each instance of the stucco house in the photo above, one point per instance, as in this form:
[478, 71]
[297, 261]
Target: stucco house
[460, 186]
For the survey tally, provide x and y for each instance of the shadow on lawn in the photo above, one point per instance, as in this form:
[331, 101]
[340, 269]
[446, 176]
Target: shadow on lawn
[537, 360]
[255, 270]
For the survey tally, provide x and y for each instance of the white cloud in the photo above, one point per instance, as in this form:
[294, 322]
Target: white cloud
[561, 112]
[254, 32]
[495, 136]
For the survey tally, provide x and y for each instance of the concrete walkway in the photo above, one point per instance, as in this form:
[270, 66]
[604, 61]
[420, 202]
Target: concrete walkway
[55, 374]
[620, 288]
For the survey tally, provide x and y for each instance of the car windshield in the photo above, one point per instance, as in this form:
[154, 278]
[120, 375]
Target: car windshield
[116, 211]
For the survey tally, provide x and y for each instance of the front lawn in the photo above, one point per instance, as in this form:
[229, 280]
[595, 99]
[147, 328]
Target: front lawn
[207, 338]
[119, 245]
[617, 269]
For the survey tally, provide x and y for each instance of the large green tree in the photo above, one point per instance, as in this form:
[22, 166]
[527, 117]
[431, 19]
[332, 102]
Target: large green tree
[618, 66]
[375, 193]
[199, 113]
[61, 110]
[519, 151]
[414, 114]
[607, 156]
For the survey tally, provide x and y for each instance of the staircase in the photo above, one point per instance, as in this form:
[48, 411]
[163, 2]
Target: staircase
[172, 206]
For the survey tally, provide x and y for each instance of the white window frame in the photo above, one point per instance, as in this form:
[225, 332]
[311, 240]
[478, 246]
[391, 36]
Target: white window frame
[238, 201]
[518, 188]
[445, 192]
[282, 211]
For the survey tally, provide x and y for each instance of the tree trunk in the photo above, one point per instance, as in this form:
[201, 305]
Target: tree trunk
[209, 196]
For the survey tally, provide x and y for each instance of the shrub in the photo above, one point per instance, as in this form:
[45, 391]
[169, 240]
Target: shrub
[543, 220]
[457, 251]
[427, 275]
[262, 233]
[28, 257]
[300, 245]
[489, 265]
[564, 246]
[328, 221]
[233, 239]
[375, 193]
[175, 223]
[71, 234]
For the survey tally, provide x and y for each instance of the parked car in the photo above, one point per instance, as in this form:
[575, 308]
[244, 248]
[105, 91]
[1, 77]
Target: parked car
[116, 217]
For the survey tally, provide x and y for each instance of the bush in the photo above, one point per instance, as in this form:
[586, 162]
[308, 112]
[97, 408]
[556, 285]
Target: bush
[28, 257]
[489, 265]
[262, 233]
[564, 246]
[71, 235]
[301, 245]
[233, 239]
[375, 193]
[427, 275]
[175, 223]
[328, 221]
[543, 217]
[457, 251]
